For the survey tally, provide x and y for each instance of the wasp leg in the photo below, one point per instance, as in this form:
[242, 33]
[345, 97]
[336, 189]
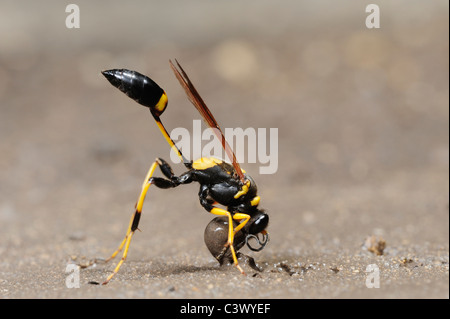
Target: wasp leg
[134, 222]
[236, 216]
[232, 232]
[208, 205]
[223, 212]
[240, 216]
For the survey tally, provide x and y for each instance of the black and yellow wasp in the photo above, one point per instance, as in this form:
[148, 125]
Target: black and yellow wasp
[220, 182]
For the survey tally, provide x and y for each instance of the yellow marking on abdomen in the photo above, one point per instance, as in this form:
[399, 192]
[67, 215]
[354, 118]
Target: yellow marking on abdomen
[162, 103]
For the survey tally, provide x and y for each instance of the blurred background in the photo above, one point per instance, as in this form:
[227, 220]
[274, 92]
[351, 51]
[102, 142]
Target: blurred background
[362, 117]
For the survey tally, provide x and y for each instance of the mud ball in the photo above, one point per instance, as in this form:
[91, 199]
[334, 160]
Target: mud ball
[216, 237]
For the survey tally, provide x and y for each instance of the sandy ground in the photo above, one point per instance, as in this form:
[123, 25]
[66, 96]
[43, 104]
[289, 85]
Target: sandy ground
[363, 148]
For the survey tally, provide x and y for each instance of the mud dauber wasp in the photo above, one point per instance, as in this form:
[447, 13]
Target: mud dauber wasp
[220, 182]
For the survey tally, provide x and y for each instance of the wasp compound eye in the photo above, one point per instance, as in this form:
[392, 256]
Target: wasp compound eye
[216, 237]
[258, 223]
[139, 87]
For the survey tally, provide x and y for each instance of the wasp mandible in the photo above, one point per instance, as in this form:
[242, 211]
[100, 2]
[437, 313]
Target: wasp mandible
[220, 182]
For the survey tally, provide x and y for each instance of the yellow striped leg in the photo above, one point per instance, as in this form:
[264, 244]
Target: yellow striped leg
[231, 231]
[133, 223]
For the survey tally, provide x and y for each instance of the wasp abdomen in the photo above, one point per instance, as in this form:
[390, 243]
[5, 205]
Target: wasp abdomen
[139, 87]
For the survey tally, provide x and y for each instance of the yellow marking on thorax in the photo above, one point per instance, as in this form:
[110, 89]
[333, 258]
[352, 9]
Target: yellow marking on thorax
[243, 191]
[205, 162]
[255, 201]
